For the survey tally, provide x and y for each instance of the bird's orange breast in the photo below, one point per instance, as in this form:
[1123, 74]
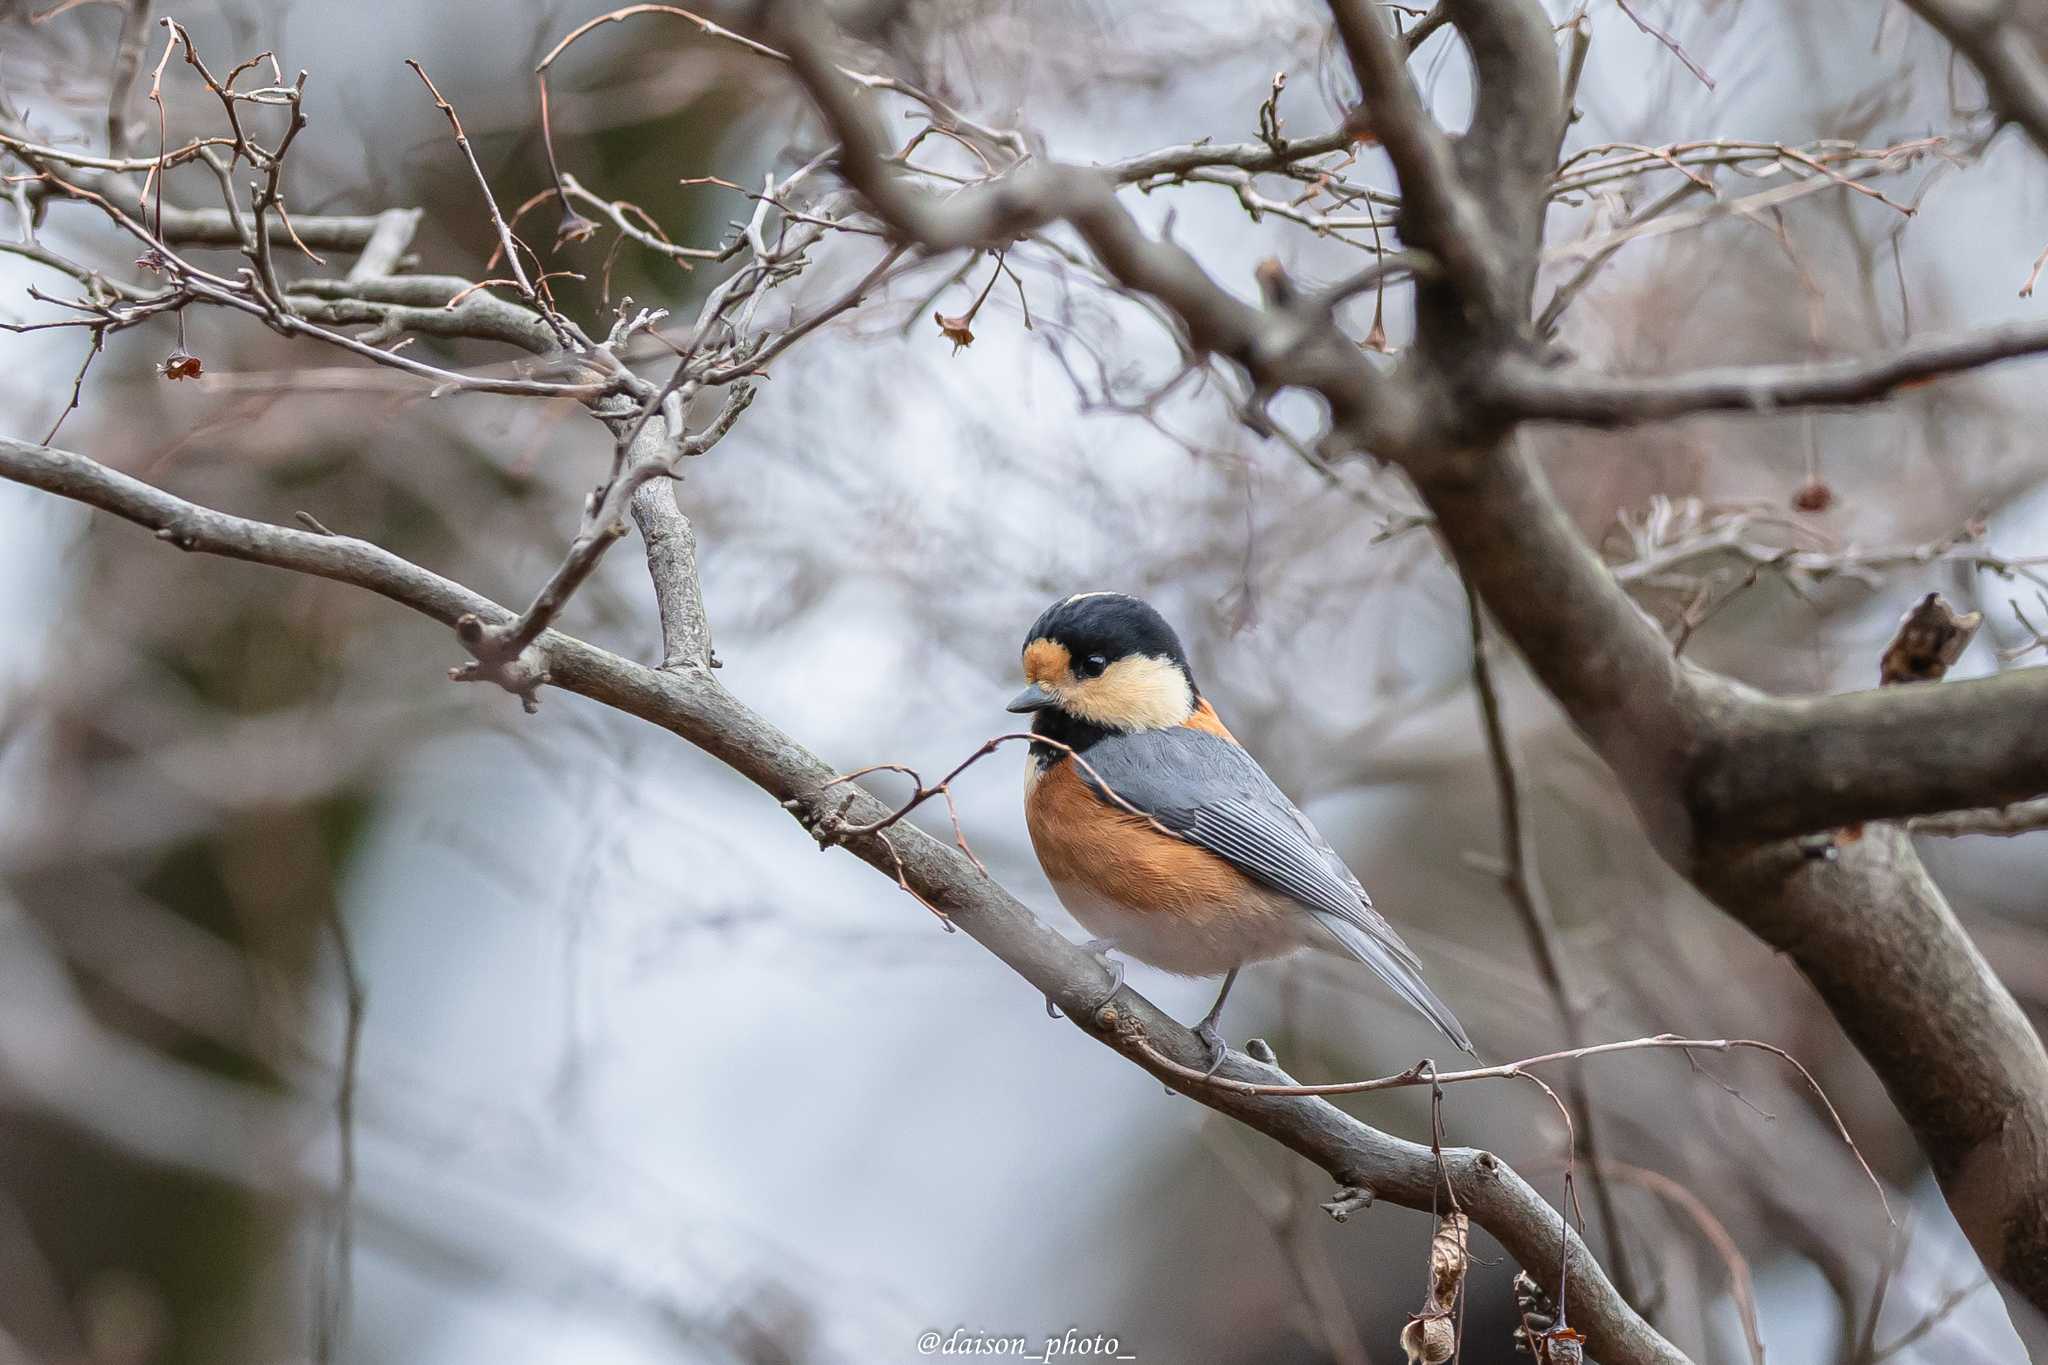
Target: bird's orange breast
[1098, 849]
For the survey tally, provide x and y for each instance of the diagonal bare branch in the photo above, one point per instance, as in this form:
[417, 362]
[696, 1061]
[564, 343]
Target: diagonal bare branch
[687, 700]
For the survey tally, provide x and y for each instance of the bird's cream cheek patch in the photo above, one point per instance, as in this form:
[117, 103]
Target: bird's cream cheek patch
[1141, 692]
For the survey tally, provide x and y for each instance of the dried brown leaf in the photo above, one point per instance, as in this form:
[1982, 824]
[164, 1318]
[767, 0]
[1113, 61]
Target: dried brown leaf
[1930, 638]
[955, 330]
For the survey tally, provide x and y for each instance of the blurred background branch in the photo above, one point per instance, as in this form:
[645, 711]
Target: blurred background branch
[355, 1016]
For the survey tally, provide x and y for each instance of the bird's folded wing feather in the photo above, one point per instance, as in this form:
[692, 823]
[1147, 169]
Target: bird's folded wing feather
[1216, 796]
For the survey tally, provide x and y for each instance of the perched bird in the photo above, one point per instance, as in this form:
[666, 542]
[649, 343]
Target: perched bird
[1192, 860]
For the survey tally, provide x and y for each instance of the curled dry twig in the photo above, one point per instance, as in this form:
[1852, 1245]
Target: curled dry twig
[944, 788]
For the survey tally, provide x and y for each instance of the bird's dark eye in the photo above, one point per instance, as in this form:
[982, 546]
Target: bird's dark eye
[1095, 663]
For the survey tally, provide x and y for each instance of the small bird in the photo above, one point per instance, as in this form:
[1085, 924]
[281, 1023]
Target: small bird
[1192, 860]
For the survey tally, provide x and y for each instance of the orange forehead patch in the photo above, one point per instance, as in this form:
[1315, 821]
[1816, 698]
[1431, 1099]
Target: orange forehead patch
[1047, 661]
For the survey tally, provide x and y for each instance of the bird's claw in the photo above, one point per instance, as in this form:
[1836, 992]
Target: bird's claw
[1116, 977]
[1211, 1038]
[1100, 949]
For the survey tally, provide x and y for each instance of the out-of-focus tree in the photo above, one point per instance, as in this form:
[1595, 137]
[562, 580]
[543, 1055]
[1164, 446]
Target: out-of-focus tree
[1446, 402]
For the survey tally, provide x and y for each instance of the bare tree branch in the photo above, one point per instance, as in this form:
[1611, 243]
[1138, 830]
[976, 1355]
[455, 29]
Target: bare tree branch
[127, 64]
[183, 226]
[672, 563]
[1523, 882]
[1783, 767]
[1877, 939]
[2000, 821]
[1507, 159]
[686, 700]
[429, 305]
[1587, 640]
[1524, 389]
[1998, 41]
[1170, 162]
[1443, 416]
[1723, 780]
[1277, 351]
[1438, 212]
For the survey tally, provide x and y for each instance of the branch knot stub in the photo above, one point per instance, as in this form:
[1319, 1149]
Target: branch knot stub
[184, 535]
[521, 670]
[823, 822]
[1348, 1199]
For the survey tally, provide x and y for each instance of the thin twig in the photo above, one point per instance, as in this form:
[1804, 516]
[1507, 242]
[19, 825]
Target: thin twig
[1524, 887]
[1676, 48]
[336, 1282]
[99, 341]
[1425, 1074]
[506, 241]
[1741, 1284]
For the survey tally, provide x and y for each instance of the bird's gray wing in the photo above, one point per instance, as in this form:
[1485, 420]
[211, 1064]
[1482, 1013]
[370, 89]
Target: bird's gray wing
[1215, 795]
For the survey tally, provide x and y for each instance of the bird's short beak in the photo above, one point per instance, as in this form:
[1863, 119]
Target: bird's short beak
[1032, 698]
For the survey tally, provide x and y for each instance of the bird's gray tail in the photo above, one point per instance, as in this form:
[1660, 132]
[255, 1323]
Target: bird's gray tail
[1386, 954]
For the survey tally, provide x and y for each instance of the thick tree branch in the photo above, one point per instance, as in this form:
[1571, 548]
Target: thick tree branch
[1438, 212]
[1868, 929]
[687, 700]
[1592, 646]
[672, 563]
[431, 305]
[1507, 158]
[2002, 822]
[1902, 977]
[2005, 50]
[1781, 767]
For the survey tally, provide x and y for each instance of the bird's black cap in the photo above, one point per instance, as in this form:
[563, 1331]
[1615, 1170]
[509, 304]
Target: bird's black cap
[1110, 624]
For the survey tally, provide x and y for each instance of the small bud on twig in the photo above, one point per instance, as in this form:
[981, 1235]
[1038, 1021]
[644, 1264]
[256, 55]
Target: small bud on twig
[1813, 497]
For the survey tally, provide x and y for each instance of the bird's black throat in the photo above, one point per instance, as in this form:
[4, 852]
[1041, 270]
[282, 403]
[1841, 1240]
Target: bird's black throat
[1054, 724]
